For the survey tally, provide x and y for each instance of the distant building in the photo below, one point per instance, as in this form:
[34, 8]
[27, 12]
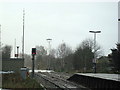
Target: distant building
[12, 64]
[118, 22]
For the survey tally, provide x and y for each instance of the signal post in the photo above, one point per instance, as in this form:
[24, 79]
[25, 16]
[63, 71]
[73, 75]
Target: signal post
[33, 60]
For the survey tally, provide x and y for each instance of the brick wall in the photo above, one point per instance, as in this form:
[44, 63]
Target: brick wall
[12, 64]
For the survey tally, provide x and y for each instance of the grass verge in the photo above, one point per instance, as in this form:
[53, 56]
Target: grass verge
[14, 80]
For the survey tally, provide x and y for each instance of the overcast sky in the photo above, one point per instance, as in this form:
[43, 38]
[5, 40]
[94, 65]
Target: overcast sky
[61, 21]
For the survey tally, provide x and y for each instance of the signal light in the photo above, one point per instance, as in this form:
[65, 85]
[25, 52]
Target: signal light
[33, 51]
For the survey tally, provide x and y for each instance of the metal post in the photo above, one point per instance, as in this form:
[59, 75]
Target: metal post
[33, 56]
[23, 34]
[94, 52]
[17, 51]
[85, 65]
[49, 40]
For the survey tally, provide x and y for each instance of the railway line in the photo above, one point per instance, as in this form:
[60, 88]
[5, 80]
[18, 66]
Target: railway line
[54, 80]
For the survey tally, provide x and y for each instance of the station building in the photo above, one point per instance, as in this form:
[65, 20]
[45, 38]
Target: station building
[12, 64]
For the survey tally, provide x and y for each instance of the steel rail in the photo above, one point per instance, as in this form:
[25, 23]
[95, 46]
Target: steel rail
[58, 81]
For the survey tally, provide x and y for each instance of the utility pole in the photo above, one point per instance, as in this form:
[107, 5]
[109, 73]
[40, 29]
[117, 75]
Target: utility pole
[23, 34]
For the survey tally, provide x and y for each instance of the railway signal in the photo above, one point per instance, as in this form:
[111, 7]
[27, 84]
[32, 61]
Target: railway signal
[33, 58]
[33, 51]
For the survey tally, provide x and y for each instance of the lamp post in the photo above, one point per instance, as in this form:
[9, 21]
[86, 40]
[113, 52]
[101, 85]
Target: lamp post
[94, 61]
[49, 48]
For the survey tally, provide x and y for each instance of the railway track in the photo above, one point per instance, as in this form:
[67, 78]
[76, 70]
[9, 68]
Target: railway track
[57, 81]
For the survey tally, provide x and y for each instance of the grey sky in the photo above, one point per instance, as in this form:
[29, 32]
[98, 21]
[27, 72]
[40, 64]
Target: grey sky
[67, 21]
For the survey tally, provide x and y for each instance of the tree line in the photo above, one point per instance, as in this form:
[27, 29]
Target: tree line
[114, 58]
[64, 59]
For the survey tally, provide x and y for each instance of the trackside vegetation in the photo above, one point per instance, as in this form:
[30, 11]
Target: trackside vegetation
[14, 80]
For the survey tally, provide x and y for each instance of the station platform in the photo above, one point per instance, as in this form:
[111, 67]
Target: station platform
[97, 80]
[114, 77]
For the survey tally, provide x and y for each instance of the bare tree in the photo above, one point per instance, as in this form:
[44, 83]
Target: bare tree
[40, 50]
[63, 50]
[40, 55]
[6, 52]
[90, 43]
[84, 55]
[53, 53]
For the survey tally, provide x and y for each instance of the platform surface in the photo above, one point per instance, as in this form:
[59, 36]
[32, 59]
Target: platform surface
[115, 77]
